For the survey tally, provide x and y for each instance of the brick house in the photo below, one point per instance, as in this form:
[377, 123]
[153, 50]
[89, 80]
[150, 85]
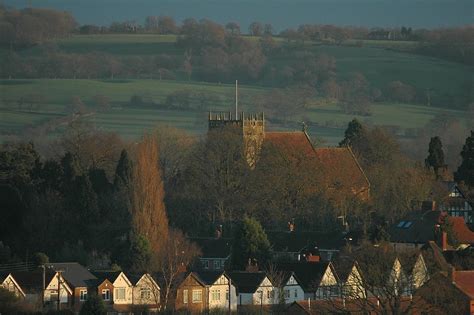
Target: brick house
[191, 294]
[79, 279]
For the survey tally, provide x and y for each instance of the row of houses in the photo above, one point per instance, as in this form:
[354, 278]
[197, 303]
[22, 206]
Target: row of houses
[68, 285]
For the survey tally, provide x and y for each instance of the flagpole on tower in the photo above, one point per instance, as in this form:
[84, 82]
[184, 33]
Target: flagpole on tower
[236, 98]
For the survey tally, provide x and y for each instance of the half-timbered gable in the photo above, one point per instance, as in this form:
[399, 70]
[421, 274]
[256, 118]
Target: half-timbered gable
[10, 284]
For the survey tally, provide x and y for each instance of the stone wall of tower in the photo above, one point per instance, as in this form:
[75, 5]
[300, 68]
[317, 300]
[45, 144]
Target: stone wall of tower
[254, 134]
[252, 127]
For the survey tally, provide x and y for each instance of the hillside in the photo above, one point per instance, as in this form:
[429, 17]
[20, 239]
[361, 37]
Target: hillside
[447, 82]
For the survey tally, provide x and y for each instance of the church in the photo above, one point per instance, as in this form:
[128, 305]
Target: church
[339, 164]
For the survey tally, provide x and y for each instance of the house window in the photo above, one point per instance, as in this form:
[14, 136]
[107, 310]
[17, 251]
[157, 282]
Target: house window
[185, 296]
[83, 295]
[206, 264]
[145, 294]
[216, 295]
[106, 294]
[120, 293]
[197, 296]
[217, 264]
[227, 295]
[296, 293]
[287, 294]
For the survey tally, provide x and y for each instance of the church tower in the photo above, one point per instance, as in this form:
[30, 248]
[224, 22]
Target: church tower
[250, 126]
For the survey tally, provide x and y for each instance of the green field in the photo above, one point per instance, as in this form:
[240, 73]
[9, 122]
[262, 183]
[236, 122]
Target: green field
[328, 122]
[449, 80]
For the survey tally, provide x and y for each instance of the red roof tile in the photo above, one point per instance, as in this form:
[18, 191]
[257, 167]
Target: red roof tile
[340, 165]
[290, 141]
[463, 234]
[464, 280]
[343, 168]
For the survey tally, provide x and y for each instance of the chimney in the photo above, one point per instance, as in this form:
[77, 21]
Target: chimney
[291, 225]
[252, 266]
[452, 274]
[312, 258]
[444, 241]
[218, 232]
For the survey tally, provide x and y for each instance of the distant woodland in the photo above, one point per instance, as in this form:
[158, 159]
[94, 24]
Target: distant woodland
[223, 53]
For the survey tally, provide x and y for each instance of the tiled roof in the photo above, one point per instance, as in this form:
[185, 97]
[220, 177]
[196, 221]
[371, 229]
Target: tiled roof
[417, 227]
[74, 273]
[103, 275]
[434, 257]
[339, 165]
[32, 281]
[342, 168]
[464, 280]
[343, 266]
[247, 282]
[463, 234]
[209, 277]
[213, 247]
[285, 241]
[309, 274]
[290, 142]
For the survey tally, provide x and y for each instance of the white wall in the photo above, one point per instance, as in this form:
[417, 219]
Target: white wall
[121, 282]
[296, 292]
[222, 286]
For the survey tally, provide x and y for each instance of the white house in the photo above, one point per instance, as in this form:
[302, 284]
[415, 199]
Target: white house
[56, 287]
[292, 290]
[9, 283]
[122, 287]
[254, 288]
[317, 279]
[146, 291]
[219, 285]
[350, 277]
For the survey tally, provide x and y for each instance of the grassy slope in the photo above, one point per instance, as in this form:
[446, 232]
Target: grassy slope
[379, 65]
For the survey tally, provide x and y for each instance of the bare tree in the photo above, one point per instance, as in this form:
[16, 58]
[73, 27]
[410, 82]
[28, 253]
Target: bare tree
[277, 278]
[385, 285]
[177, 254]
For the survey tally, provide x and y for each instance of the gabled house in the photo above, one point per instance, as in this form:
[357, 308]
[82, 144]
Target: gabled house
[191, 294]
[292, 290]
[78, 278]
[253, 288]
[317, 279]
[415, 269]
[350, 277]
[116, 287]
[104, 288]
[56, 290]
[146, 292]
[222, 292]
[9, 283]
[455, 202]
[398, 282]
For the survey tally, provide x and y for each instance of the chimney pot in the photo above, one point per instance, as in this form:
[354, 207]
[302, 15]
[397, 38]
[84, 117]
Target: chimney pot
[444, 241]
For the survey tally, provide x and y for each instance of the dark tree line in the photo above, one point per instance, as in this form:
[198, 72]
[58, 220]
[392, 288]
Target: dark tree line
[27, 27]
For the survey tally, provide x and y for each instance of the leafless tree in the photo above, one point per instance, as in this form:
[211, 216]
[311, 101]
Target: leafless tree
[177, 254]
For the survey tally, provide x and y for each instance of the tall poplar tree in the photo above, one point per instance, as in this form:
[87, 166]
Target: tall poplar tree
[147, 208]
